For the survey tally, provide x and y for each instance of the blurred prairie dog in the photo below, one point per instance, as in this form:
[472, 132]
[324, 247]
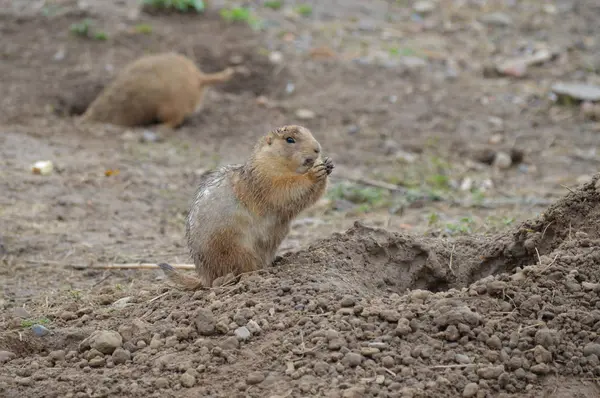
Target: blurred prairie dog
[242, 213]
[160, 88]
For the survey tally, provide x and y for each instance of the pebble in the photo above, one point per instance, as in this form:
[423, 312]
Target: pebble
[187, 380]
[24, 381]
[161, 382]
[540, 369]
[21, 312]
[578, 91]
[150, 136]
[470, 390]
[242, 333]
[591, 348]
[205, 322]
[6, 356]
[230, 343]
[462, 359]
[97, 362]
[106, 341]
[497, 19]
[490, 372]
[352, 359]
[502, 160]
[542, 355]
[120, 356]
[40, 330]
[305, 114]
[347, 301]
[58, 355]
[403, 328]
[253, 327]
[255, 378]
[494, 342]
[423, 7]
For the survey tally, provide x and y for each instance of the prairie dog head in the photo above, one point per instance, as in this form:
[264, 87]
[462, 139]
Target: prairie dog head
[293, 147]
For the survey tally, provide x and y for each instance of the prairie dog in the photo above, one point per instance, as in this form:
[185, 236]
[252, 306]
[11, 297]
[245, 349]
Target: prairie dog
[241, 213]
[161, 88]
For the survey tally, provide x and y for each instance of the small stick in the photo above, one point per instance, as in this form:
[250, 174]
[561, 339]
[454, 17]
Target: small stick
[450, 263]
[450, 366]
[133, 266]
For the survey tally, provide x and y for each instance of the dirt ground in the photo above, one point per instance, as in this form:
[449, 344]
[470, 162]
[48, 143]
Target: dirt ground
[454, 255]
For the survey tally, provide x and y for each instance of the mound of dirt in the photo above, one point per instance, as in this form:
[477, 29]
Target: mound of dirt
[340, 320]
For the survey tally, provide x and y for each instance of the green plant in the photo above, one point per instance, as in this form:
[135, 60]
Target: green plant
[27, 323]
[84, 29]
[274, 5]
[143, 28]
[239, 14]
[179, 5]
[463, 226]
[433, 218]
[304, 9]
[366, 198]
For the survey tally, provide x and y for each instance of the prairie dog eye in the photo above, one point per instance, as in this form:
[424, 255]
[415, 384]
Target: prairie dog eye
[290, 140]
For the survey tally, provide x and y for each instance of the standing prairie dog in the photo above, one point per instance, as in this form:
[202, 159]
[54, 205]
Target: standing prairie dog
[161, 88]
[242, 213]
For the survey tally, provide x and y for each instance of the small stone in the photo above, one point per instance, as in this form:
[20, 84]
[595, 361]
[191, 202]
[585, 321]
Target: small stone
[470, 390]
[120, 356]
[276, 57]
[403, 328]
[490, 372]
[156, 342]
[6, 356]
[230, 343]
[255, 378]
[591, 348]
[161, 382]
[58, 355]
[369, 351]
[578, 91]
[253, 327]
[423, 7]
[67, 316]
[462, 359]
[305, 114]
[187, 380]
[546, 337]
[502, 160]
[540, 369]
[388, 361]
[494, 342]
[106, 341]
[542, 355]
[242, 333]
[205, 322]
[97, 362]
[40, 330]
[390, 315]
[352, 359]
[122, 302]
[497, 19]
[24, 381]
[347, 301]
[452, 333]
[149, 136]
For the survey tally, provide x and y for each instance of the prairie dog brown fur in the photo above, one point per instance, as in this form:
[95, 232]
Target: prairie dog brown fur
[242, 213]
[163, 88]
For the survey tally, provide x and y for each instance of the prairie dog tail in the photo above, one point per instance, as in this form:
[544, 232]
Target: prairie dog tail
[185, 282]
[218, 77]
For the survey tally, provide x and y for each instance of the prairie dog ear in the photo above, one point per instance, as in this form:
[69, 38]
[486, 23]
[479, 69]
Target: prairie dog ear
[269, 139]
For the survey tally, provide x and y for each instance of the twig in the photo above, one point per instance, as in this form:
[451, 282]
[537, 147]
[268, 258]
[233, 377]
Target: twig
[373, 183]
[538, 254]
[545, 229]
[157, 297]
[132, 266]
[567, 188]
[549, 265]
[450, 366]
[450, 263]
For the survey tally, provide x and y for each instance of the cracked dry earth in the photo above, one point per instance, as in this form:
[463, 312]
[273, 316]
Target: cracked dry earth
[363, 313]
